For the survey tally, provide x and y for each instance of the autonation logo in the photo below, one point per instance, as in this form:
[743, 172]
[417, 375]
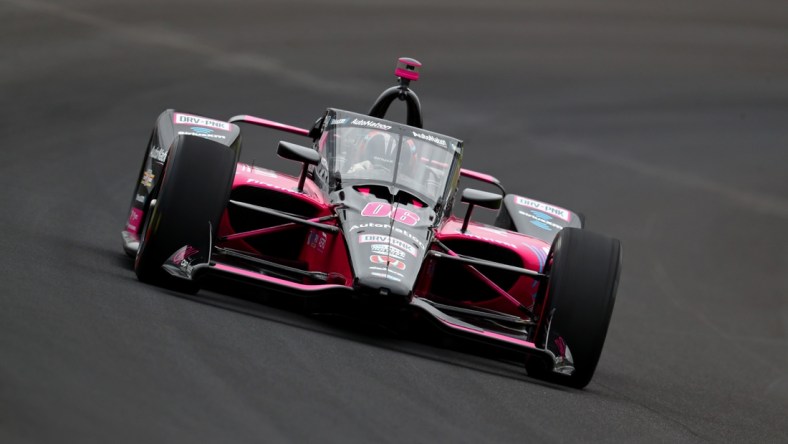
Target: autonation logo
[370, 124]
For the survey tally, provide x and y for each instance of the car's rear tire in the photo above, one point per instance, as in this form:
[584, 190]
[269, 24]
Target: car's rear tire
[194, 190]
[577, 302]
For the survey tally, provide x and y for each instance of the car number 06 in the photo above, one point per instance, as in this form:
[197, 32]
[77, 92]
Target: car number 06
[384, 209]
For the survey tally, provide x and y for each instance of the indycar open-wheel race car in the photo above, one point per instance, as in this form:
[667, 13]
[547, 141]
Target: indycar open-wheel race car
[369, 222]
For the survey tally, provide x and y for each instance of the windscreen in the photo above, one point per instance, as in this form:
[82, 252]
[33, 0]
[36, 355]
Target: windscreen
[367, 151]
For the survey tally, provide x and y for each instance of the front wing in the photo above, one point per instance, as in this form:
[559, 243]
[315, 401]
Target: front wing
[327, 297]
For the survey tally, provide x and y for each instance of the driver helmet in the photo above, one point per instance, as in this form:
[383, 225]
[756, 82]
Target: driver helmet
[409, 159]
[379, 152]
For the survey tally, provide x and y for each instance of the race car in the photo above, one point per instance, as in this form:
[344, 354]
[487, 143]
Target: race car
[369, 222]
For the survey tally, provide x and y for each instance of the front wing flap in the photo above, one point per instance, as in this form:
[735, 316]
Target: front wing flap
[188, 263]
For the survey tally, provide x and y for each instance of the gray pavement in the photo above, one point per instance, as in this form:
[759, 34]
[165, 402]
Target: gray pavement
[664, 122]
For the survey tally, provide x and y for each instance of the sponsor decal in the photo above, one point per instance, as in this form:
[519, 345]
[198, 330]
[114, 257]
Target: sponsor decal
[541, 256]
[548, 209]
[397, 230]
[360, 226]
[157, 153]
[387, 270]
[491, 240]
[183, 254]
[542, 225]
[384, 209]
[311, 239]
[390, 261]
[387, 241]
[131, 239]
[388, 250]
[542, 215]
[270, 185]
[542, 222]
[189, 119]
[430, 138]
[370, 124]
[256, 182]
[245, 168]
[201, 130]
[140, 198]
[135, 218]
[147, 178]
[337, 121]
[184, 258]
[413, 238]
[395, 273]
[264, 172]
[387, 276]
[317, 240]
[210, 136]
[494, 230]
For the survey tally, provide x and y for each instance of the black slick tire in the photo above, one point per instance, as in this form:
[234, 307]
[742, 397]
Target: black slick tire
[580, 293]
[189, 202]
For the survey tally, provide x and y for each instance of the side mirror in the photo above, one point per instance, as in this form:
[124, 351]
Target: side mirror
[481, 198]
[307, 156]
[481, 177]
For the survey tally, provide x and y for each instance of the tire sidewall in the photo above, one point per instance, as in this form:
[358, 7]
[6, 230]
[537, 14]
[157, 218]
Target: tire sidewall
[579, 297]
[190, 199]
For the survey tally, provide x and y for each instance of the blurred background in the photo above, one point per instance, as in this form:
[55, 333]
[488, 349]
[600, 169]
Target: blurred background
[663, 122]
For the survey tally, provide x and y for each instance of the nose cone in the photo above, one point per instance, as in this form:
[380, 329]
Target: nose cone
[386, 265]
[377, 288]
[386, 243]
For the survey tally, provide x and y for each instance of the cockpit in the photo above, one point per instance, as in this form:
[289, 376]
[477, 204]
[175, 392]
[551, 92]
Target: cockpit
[361, 150]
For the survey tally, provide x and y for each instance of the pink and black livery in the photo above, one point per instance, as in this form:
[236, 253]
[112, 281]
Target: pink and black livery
[368, 223]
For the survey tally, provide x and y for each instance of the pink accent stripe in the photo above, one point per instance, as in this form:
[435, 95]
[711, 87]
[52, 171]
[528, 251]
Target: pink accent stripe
[491, 335]
[277, 281]
[270, 124]
[479, 176]
[405, 74]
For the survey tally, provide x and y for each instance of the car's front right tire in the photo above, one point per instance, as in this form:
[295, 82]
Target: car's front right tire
[577, 303]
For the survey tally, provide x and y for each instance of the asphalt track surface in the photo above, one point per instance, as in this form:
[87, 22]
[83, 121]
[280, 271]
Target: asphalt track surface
[664, 122]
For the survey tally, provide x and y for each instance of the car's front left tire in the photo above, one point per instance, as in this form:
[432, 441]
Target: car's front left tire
[189, 202]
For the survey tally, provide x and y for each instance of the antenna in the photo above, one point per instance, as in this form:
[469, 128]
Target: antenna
[407, 70]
